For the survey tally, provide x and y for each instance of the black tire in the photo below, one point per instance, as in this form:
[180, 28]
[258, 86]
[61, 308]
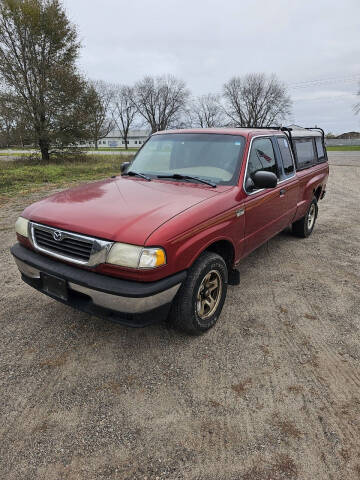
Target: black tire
[184, 313]
[303, 227]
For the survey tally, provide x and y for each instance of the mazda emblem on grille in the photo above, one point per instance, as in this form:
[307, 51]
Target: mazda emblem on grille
[72, 247]
[58, 236]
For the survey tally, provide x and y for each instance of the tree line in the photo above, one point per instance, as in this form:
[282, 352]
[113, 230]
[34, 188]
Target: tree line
[45, 101]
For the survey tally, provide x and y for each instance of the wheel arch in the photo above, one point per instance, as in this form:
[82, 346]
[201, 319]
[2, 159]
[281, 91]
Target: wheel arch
[317, 192]
[225, 249]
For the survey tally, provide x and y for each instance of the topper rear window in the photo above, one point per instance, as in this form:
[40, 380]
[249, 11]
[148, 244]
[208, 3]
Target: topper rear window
[305, 152]
[320, 149]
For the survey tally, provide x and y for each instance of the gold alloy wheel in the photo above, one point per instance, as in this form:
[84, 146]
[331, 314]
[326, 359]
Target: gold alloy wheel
[311, 216]
[209, 294]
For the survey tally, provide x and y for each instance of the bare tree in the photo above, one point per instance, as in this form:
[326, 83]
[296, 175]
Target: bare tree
[22, 133]
[124, 110]
[256, 100]
[38, 50]
[357, 106]
[160, 100]
[330, 135]
[14, 128]
[100, 118]
[9, 116]
[206, 111]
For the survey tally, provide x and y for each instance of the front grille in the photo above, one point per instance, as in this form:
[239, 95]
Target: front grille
[77, 248]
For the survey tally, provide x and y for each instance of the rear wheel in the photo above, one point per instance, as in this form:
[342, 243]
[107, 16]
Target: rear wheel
[199, 302]
[304, 227]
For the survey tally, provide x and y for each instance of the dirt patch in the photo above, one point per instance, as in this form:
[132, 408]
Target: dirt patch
[297, 389]
[283, 467]
[286, 427]
[241, 388]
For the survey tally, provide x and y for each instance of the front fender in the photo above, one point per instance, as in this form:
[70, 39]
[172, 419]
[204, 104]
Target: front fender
[189, 245]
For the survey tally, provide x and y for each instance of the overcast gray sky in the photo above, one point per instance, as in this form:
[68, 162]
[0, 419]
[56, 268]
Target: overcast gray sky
[313, 46]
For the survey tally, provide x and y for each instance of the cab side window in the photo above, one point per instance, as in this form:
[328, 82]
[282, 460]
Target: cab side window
[262, 157]
[286, 156]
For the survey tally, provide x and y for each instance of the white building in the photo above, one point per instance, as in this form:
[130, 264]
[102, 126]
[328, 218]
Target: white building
[114, 139]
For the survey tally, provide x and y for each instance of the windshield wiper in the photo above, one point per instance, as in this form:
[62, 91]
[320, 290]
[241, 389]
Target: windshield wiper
[179, 176]
[137, 174]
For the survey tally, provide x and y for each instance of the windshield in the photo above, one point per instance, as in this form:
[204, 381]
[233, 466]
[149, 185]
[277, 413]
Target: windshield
[213, 157]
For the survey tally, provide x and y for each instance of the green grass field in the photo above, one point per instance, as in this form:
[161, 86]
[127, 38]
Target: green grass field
[344, 148]
[26, 175]
[12, 154]
[110, 149]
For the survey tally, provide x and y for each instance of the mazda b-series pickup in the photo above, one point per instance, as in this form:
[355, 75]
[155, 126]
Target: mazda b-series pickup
[163, 239]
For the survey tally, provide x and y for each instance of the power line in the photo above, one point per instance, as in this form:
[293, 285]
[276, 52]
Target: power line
[325, 81]
[326, 98]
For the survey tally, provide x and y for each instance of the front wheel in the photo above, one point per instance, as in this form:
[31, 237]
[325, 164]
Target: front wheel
[200, 299]
[304, 226]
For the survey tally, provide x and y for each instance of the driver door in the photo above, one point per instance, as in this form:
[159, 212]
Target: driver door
[265, 209]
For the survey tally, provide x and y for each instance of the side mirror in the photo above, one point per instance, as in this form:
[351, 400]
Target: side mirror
[262, 179]
[124, 166]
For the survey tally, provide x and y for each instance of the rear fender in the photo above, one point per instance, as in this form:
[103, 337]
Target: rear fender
[310, 187]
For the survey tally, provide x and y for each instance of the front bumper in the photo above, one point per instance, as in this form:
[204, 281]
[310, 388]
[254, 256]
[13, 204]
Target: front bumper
[131, 303]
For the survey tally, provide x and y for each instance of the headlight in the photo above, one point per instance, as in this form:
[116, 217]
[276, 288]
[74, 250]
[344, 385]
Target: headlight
[152, 257]
[124, 255]
[21, 226]
[136, 257]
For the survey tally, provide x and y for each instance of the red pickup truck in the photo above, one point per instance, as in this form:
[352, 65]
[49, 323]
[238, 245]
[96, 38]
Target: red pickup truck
[163, 240]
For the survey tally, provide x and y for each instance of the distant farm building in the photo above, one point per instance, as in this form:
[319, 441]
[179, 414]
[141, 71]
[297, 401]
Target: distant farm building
[115, 140]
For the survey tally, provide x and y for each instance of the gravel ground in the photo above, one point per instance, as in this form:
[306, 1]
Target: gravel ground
[272, 392]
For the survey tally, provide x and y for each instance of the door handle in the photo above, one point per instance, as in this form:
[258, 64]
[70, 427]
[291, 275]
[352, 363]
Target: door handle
[282, 192]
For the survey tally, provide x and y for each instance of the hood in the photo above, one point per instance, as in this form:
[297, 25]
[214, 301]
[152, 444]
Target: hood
[122, 209]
